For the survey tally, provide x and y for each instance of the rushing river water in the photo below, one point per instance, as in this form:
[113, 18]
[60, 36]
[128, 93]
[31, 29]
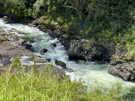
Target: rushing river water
[94, 75]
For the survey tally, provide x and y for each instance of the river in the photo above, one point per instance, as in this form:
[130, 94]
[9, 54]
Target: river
[93, 75]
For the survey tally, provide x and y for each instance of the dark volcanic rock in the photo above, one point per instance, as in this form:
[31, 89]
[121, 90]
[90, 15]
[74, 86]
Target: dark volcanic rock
[61, 63]
[27, 45]
[43, 51]
[82, 49]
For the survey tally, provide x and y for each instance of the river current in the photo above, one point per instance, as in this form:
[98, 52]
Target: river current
[92, 74]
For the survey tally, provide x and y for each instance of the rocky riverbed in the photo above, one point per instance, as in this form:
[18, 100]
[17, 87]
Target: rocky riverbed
[12, 46]
[79, 48]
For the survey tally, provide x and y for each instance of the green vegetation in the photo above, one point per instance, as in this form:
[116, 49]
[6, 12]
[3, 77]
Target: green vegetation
[17, 85]
[128, 42]
[15, 8]
[89, 17]
[2, 38]
[95, 20]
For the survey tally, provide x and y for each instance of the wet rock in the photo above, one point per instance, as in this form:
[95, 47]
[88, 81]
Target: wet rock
[4, 60]
[125, 70]
[48, 60]
[120, 66]
[54, 44]
[20, 41]
[43, 51]
[61, 63]
[8, 50]
[75, 50]
[95, 51]
[12, 47]
[27, 45]
[40, 60]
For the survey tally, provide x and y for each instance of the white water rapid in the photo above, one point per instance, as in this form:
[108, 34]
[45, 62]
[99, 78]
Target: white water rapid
[94, 75]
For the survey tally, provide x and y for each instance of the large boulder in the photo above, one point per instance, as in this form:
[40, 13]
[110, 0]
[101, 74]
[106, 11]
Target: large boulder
[83, 49]
[121, 66]
[4, 60]
[125, 70]
[11, 47]
[61, 63]
[27, 45]
[43, 51]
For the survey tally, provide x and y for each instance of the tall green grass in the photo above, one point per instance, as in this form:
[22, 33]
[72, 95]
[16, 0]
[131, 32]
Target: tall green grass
[45, 86]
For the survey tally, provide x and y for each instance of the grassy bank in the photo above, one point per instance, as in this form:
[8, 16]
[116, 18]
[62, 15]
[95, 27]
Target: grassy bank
[45, 86]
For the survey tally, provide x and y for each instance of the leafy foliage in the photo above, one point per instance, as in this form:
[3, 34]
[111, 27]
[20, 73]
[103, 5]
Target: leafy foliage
[89, 17]
[14, 8]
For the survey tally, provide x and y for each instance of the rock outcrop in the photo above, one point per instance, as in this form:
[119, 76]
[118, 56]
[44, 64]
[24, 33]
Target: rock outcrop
[78, 47]
[83, 49]
[121, 66]
[12, 47]
[125, 70]
[61, 63]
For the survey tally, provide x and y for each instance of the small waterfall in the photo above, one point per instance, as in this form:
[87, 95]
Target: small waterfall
[92, 74]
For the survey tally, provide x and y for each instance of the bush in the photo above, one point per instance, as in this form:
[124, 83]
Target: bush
[89, 17]
[15, 8]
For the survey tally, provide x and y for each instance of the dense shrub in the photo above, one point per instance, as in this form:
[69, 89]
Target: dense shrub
[15, 8]
[89, 17]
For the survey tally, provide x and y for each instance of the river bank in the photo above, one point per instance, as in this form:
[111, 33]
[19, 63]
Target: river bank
[13, 45]
[84, 71]
[80, 48]
[87, 33]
